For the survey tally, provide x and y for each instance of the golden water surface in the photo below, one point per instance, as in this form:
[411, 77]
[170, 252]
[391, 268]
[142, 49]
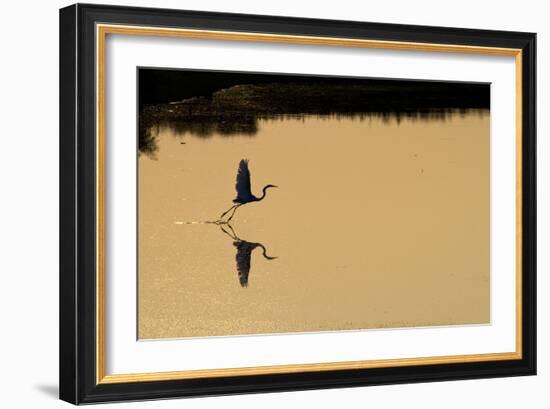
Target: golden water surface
[375, 224]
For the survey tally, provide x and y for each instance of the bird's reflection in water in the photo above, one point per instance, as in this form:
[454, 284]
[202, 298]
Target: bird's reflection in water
[244, 253]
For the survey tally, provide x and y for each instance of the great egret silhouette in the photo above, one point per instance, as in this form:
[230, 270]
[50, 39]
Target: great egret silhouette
[244, 192]
[244, 254]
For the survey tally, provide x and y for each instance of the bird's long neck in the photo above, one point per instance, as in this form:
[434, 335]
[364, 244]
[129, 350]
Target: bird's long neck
[264, 252]
[263, 192]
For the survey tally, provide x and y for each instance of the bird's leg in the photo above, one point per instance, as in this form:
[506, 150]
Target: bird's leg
[233, 236]
[228, 210]
[234, 210]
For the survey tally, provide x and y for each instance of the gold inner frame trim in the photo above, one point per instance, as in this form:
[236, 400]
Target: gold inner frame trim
[101, 33]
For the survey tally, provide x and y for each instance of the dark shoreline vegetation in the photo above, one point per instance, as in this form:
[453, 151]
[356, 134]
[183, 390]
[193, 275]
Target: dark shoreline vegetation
[237, 109]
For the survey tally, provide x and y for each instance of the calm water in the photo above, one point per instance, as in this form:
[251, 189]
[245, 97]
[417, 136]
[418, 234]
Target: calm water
[375, 224]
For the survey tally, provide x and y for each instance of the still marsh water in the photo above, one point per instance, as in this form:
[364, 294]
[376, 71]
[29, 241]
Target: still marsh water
[376, 223]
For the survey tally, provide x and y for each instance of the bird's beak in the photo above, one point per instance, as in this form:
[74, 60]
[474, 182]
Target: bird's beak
[274, 186]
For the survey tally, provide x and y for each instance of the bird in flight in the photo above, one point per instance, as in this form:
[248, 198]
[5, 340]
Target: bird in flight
[244, 193]
[244, 254]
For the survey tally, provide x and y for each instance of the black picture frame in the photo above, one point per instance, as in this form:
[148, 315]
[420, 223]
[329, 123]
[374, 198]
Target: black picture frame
[78, 360]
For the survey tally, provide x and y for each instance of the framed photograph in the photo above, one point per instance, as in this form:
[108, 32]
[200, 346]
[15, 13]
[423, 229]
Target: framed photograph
[257, 203]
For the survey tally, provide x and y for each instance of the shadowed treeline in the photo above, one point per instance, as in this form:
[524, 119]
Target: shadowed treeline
[203, 109]
[158, 86]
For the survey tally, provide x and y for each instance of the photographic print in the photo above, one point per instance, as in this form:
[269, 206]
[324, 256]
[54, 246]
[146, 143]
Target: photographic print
[256, 204]
[274, 203]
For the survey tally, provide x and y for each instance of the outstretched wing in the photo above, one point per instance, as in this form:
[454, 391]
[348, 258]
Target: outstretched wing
[244, 193]
[244, 254]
